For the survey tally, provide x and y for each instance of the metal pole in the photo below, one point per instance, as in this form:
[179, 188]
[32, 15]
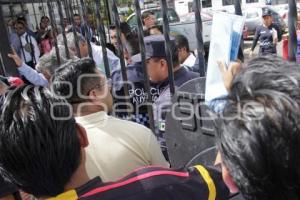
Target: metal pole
[238, 11]
[67, 11]
[237, 7]
[120, 50]
[53, 28]
[7, 65]
[292, 22]
[108, 11]
[11, 10]
[43, 9]
[200, 45]
[164, 12]
[86, 28]
[77, 7]
[102, 33]
[73, 30]
[36, 21]
[144, 67]
[62, 26]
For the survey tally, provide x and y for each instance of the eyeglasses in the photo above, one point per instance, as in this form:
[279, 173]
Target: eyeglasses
[100, 85]
[20, 28]
[96, 86]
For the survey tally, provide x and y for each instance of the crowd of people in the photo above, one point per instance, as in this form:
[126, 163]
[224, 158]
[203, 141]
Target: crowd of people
[69, 132]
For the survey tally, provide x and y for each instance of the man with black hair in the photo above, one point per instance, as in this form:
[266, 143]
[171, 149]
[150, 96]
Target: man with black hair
[158, 71]
[7, 190]
[124, 145]
[258, 131]
[129, 41]
[30, 51]
[80, 27]
[186, 57]
[28, 30]
[126, 34]
[43, 152]
[156, 30]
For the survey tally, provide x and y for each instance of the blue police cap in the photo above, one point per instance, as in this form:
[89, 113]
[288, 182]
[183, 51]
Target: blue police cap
[155, 46]
[266, 12]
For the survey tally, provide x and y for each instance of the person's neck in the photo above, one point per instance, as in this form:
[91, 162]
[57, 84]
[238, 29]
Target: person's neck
[186, 55]
[79, 178]
[24, 34]
[176, 68]
[86, 110]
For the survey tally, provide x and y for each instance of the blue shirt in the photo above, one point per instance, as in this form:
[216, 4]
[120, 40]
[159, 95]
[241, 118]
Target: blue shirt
[32, 75]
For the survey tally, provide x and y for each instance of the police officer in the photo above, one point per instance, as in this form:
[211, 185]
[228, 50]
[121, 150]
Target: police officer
[266, 34]
[158, 73]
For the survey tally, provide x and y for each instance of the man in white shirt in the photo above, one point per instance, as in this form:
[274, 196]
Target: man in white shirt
[30, 52]
[113, 60]
[116, 146]
[186, 58]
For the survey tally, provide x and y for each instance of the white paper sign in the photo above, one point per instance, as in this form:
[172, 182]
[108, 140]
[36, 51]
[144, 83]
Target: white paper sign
[225, 40]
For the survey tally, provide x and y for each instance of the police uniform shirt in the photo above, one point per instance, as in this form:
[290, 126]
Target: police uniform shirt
[137, 93]
[265, 35]
[155, 183]
[162, 104]
[29, 48]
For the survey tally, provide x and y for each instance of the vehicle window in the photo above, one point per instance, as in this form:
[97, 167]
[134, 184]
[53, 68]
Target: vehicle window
[172, 15]
[132, 21]
[252, 14]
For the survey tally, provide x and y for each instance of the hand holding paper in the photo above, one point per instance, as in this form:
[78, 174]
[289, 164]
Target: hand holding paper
[225, 43]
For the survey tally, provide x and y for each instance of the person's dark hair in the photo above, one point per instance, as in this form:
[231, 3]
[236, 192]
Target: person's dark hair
[146, 32]
[112, 48]
[146, 14]
[181, 42]
[76, 15]
[23, 19]
[175, 59]
[21, 22]
[174, 54]
[75, 75]
[132, 46]
[40, 148]
[125, 29]
[258, 133]
[159, 27]
[45, 17]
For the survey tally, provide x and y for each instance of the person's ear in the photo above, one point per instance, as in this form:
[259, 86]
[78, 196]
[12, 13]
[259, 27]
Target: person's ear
[92, 95]
[81, 132]
[227, 178]
[164, 65]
